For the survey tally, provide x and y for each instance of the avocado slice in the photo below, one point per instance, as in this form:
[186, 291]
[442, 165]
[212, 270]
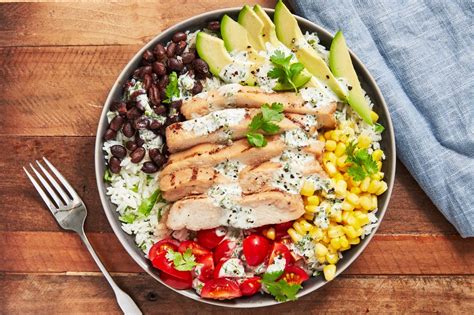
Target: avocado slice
[254, 26]
[212, 50]
[236, 37]
[268, 32]
[341, 65]
[289, 33]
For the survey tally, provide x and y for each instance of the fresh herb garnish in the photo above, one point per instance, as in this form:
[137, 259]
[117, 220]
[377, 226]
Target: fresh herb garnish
[363, 164]
[281, 290]
[172, 89]
[107, 176]
[378, 128]
[182, 262]
[283, 70]
[147, 204]
[128, 217]
[264, 121]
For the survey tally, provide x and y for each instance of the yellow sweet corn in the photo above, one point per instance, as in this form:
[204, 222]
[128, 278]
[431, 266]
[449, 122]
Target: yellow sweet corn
[336, 134]
[350, 231]
[363, 141]
[377, 155]
[341, 162]
[335, 243]
[328, 134]
[341, 187]
[316, 233]
[379, 165]
[329, 272]
[355, 190]
[374, 116]
[299, 229]
[308, 216]
[270, 233]
[295, 236]
[382, 189]
[374, 202]
[352, 198]
[345, 215]
[340, 149]
[321, 259]
[305, 226]
[335, 231]
[378, 176]
[373, 186]
[343, 241]
[338, 177]
[313, 201]
[332, 258]
[311, 209]
[364, 185]
[320, 250]
[330, 145]
[321, 138]
[362, 218]
[347, 206]
[331, 169]
[354, 241]
[365, 202]
[307, 189]
[336, 216]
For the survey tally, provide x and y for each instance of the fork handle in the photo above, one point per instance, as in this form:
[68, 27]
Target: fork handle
[125, 302]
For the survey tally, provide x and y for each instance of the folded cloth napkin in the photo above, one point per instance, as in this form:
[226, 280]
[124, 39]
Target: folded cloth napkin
[421, 53]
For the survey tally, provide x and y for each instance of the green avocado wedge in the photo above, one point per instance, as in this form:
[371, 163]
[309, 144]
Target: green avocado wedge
[341, 65]
[212, 50]
[289, 33]
[254, 26]
[236, 38]
[268, 32]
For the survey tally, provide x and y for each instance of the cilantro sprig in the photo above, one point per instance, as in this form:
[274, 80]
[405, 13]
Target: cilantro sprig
[280, 289]
[378, 128]
[182, 261]
[283, 70]
[264, 121]
[172, 89]
[148, 203]
[363, 164]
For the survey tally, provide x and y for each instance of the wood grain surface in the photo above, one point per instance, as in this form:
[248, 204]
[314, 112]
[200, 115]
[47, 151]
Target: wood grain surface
[57, 64]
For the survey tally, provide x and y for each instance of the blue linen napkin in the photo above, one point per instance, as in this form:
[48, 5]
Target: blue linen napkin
[421, 53]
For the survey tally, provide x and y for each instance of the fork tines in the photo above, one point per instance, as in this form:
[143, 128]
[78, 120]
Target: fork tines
[49, 189]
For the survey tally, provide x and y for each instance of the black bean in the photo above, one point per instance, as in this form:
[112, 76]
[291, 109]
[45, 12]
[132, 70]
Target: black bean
[141, 122]
[175, 64]
[159, 52]
[179, 36]
[171, 50]
[149, 167]
[114, 165]
[122, 110]
[163, 93]
[148, 56]
[131, 104]
[159, 68]
[128, 130]
[176, 105]
[180, 47]
[157, 157]
[160, 110]
[214, 26]
[118, 151]
[116, 123]
[173, 119]
[155, 124]
[200, 66]
[197, 88]
[154, 95]
[131, 145]
[137, 155]
[140, 106]
[110, 134]
[164, 150]
[133, 113]
[147, 81]
[139, 141]
[164, 81]
[187, 57]
[140, 72]
[114, 105]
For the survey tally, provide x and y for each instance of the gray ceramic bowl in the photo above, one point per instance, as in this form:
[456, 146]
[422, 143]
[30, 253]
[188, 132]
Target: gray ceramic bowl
[368, 83]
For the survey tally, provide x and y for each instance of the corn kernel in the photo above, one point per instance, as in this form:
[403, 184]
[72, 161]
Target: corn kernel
[336, 216]
[345, 215]
[330, 145]
[354, 183]
[363, 141]
[374, 116]
[355, 190]
[332, 258]
[352, 221]
[343, 138]
[295, 236]
[321, 138]
[373, 186]
[316, 233]
[354, 241]
[307, 189]
[378, 176]
[379, 165]
[335, 231]
[365, 202]
[320, 250]
[362, 218]
[338, 177]
[309, 216]
[305, 225]
[331, 169]
[341, 161]
[321, 260]
[328, 134]
[377, 155]
[340, 149]
[329, 272]
[364, 185]
[374, 202]
[311, 208]
[299, 229]
[336, 134]
[352, 198]
[350, 231]
[330, 157]
[344, 248]
[343, 241]
[341, 187]
[313, 201]
[335, 243]
[382, 189]
[359, 231]
[347, 206]
[270, 233]
[326, 239]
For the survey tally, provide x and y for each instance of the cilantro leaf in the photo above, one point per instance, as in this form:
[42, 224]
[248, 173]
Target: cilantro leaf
[378, 128]
[273, 113]
[256, 139]
[148, 203]
[182, 262]
[107, 176]
[363, 164]
[270, 127]
[172, 89]
[282, 70]
[128, 217]
[256, 123]
[272, 276]
[281, 290]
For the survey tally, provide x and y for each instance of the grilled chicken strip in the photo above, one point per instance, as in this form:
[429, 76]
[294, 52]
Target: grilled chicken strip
[234, 95]
[252, 179]
[218, 127]
[199, 212]
[207, 154]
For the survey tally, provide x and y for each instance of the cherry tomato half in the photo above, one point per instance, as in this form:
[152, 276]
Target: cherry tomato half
[250, 286]
[212, 237]
[206, 267]
[162, 263]
[197, 249]
[256, 249]
[279, 249]
[176, 283]
[224, 250]
[162, 246]
[221, 289]
[294, 275]
[233, 268]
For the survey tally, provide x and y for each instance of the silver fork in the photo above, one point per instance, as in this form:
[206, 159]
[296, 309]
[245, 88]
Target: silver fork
[70, 212]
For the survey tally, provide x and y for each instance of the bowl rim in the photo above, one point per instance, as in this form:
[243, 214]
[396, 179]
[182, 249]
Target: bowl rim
[111, 214]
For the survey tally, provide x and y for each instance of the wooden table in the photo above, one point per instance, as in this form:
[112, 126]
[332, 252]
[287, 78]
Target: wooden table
[58, 62]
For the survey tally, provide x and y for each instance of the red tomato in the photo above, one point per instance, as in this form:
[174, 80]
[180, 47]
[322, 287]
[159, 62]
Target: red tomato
[176, 283]
[283, 227]
[221, 289]
[207, 267]
[279, 249]
[163, 264]
[294, 275]
[211, 238]
[224, 250]
[250, 286]
[233, 273]
[197, 249]
[256, 248]
[162, 246]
